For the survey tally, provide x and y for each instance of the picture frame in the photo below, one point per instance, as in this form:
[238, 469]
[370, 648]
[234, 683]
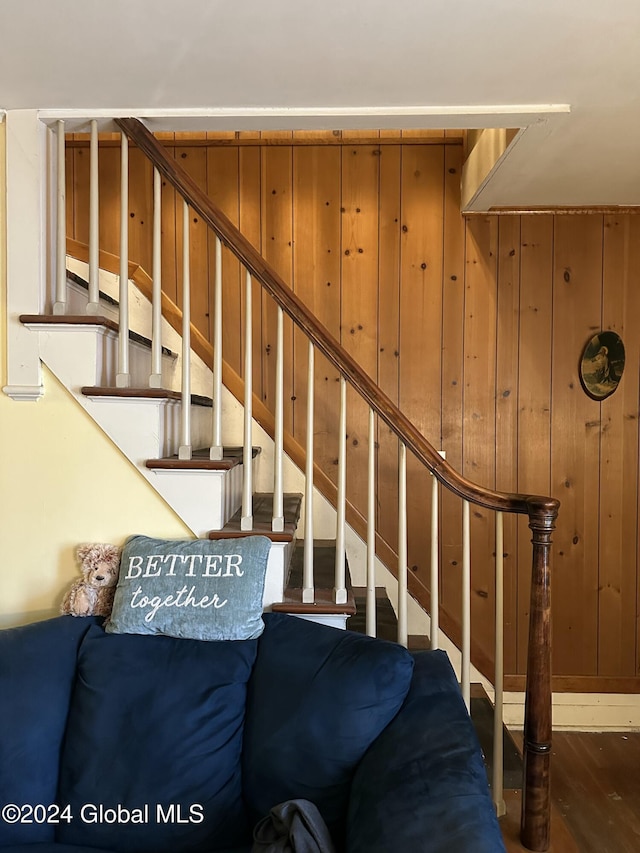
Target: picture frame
[602, 365]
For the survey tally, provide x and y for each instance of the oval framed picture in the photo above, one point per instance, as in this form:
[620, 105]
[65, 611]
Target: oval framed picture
[602, 365]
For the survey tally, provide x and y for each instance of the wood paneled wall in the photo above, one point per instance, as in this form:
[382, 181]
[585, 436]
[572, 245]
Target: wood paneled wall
[475, 328]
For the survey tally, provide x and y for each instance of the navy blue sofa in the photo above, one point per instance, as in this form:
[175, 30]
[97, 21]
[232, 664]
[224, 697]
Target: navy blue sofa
[142, 744]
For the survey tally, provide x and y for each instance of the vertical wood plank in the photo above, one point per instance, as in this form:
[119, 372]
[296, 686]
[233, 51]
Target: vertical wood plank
[534, 396]
[506, 443]
[479, 413]
[80, 196]
[388, 335]
[617, 606]
[194, 161]
[69, 161]
[109, 197]
[421, 328]
[169, 258]
[359, 253]
[140, 208]
[575, 445]
[453, 298]
[250, 225]
[277, 243]
[316, 280]
[223, 176]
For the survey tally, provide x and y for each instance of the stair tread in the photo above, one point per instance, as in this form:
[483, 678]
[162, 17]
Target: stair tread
[231, 456]
[386, 621]
[262, 516]
[88, 320]
[324, 561]
[70, 320]
[323, 603]
[143, 393]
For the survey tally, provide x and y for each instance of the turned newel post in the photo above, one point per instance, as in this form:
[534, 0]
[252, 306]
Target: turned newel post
[536, 802]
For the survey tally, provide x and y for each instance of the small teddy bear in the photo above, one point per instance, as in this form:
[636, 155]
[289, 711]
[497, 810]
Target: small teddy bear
[92, 595]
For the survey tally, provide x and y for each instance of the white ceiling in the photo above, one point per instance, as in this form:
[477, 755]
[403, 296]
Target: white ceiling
[355, 63]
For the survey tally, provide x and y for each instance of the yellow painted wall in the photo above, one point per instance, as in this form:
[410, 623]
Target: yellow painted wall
[62, 482]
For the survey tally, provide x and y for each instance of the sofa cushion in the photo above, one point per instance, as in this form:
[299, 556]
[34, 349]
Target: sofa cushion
[37, 671]
[157, 722]
[318, 697]
[202, 589]
[427, 791]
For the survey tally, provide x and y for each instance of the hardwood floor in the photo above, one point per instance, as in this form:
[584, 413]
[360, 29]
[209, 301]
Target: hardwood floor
[595, 793]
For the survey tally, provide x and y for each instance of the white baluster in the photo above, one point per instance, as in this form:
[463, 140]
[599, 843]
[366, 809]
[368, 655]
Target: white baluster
[155, 378]
[246, 521]
[403, 631]
[435, 561]
[466, 607]
[340, 589]
[123, 377]
[277, 522]
[185, 450]
[308, 589]
[60, 303]
[371, 530]
[435, 580]
[93, 305]
[216, 451]
[497, 782]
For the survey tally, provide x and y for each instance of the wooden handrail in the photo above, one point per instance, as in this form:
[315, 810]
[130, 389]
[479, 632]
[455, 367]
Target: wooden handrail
[542, 511]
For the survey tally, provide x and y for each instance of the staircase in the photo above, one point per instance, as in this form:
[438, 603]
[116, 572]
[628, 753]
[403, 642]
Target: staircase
[143, 423]
[126, 356]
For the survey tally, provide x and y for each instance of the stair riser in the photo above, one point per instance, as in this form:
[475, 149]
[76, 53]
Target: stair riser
[140, 322]
[78, 297]
[208, 499]
[146, 428]
[98, 355]
[277, 571]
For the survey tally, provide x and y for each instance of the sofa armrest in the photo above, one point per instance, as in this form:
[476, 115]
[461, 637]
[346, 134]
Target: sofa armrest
[422, 785]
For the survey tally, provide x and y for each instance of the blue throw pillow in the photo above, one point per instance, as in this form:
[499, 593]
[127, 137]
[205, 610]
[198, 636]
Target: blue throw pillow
[318, 698]
[200, 589]
[155, 730]
[37, 673]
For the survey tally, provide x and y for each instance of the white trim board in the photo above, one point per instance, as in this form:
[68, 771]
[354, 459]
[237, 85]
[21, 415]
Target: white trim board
[586, 712]
[320, 117]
